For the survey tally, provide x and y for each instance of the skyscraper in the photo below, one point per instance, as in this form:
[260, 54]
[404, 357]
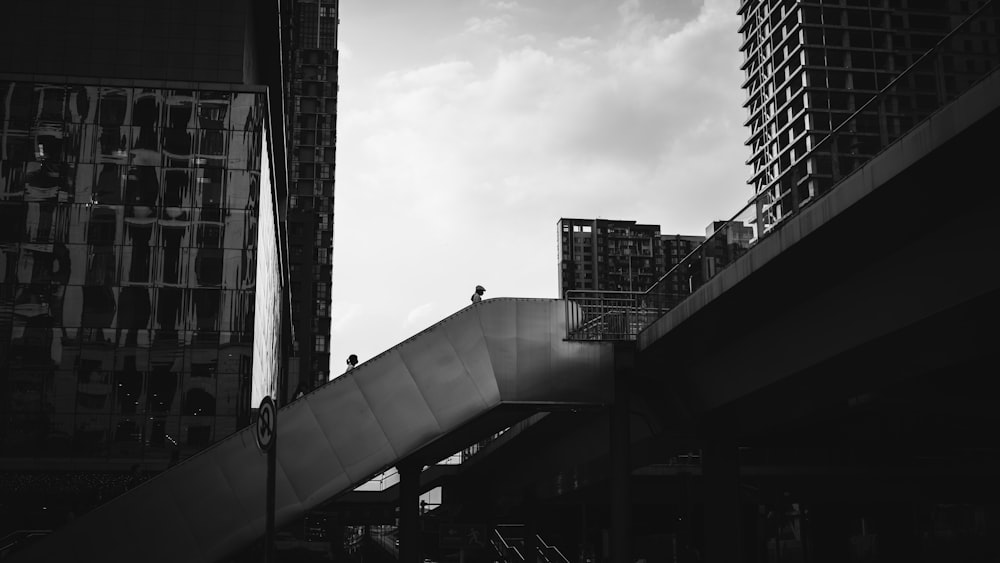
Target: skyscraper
[142, 183]
[811, 64]
[312, 112]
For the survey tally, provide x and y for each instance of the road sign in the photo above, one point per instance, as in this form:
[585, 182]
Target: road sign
[266, 417]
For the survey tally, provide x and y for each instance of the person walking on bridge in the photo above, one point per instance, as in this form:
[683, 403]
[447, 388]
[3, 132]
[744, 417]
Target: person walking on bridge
[478, 295]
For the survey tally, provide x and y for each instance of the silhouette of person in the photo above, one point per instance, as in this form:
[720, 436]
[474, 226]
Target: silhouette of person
[478, 295]
[352, 362]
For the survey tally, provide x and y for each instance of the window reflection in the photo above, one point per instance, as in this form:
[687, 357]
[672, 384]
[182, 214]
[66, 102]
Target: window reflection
[128, 237]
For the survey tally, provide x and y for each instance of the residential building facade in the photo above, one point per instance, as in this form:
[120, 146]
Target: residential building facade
[613, 255]
[809, 65]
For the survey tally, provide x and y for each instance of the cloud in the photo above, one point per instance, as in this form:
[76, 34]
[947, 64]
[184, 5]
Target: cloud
[501, 5]
[491, 26]
[419, 314]
[498, 130]
[454, 172]
[574, 43]
[347, 313]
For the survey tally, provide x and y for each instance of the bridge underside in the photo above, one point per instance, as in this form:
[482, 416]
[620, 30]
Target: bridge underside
[901, 283]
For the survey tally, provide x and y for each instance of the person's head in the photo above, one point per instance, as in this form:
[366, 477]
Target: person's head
[352, 360]
[480, 289]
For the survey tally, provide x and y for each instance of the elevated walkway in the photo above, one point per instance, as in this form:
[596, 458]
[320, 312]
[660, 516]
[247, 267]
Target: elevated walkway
[501, 354]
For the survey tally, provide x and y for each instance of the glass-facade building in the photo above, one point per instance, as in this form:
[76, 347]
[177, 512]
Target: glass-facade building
[133, 256]
[143, 258]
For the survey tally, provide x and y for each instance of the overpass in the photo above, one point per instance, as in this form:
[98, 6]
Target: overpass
[475, 372]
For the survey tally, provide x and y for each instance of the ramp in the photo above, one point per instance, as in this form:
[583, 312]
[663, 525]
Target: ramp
[498, 352]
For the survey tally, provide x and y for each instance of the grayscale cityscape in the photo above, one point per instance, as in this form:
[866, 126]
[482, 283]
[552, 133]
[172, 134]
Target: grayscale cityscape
[763, 336]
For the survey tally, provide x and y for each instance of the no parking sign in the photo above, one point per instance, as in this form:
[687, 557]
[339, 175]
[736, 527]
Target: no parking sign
[266, 417]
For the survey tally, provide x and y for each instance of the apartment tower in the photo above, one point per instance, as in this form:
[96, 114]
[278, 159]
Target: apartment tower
[810, 64]
[611, 255]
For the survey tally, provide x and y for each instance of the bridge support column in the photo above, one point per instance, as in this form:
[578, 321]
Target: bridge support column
[621, 502]
[409, 514]
[721, 480]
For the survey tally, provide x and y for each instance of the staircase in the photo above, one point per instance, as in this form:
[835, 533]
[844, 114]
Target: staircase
[511, 545]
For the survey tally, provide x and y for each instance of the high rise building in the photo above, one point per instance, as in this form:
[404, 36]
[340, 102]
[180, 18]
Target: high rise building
[810, 64]
[142, 188]
[610, 255]
[312, 113]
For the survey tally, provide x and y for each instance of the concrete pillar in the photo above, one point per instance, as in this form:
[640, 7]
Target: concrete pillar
[621, 505]
[722, 516]
[409, 515]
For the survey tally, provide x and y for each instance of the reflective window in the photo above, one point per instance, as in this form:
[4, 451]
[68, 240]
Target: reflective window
[128, 267]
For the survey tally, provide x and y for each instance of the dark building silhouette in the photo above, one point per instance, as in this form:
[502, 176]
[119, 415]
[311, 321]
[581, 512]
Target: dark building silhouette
[312, 115]
[142, 184]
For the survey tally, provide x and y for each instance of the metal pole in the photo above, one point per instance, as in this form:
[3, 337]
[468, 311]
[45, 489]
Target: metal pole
[272, 458]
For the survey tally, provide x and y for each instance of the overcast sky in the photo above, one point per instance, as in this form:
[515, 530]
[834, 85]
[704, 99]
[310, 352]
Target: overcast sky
[467, 128]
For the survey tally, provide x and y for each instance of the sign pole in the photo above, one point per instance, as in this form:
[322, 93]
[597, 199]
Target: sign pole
[271, 464]
[267, 435]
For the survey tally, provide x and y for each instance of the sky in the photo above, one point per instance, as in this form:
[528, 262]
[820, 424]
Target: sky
[467, 128]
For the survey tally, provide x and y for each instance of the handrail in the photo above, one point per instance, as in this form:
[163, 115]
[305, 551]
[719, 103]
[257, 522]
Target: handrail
[589, 311]
[507, 548]
[548, 553]
[15, 538]
[544, 548]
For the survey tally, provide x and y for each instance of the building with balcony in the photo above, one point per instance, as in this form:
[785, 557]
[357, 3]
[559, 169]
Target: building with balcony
[612, 255]
[809, 65]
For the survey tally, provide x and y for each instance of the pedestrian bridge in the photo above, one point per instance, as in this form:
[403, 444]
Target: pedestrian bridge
[471, 374]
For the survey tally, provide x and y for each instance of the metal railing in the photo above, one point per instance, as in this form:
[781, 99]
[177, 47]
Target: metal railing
[609, 315]
[17, 539]
[509, 543]
[550, 553]
[958, 61]
[506, 551]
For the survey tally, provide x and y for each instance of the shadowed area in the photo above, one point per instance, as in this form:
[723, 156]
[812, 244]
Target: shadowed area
[501, 352]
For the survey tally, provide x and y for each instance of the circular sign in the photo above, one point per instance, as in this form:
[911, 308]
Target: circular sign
[266, 418]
